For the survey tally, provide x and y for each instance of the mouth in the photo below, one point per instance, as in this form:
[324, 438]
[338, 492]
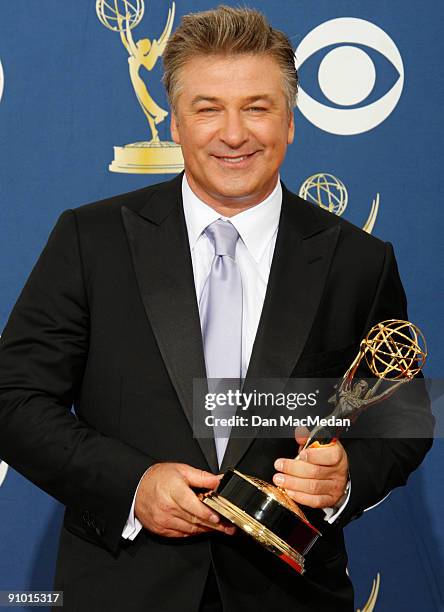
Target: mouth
[236, 161]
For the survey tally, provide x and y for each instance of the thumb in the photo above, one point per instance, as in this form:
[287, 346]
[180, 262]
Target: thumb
[301, 434]
[201, 478]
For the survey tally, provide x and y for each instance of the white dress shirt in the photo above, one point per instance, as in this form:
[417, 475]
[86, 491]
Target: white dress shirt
[257, 227]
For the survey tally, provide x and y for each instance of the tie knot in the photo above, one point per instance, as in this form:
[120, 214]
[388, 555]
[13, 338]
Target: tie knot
[224, 236]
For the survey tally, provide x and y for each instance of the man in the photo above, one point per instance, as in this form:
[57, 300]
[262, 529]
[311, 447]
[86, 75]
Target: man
[126, 307]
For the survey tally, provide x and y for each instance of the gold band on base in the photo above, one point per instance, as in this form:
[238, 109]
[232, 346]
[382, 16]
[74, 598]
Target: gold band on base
[155, 157]
[259, 532]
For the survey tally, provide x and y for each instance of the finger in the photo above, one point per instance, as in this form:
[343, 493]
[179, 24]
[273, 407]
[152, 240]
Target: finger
[303, 469]
[312, 501]
[307, 485]
[328, 455]
[188, 502]
[223, 525]
[200, 478]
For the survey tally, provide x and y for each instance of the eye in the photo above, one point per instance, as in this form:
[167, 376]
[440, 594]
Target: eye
[358, 62]
[256, 108]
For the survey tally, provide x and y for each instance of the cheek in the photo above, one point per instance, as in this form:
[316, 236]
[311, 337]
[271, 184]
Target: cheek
[197, 141]
[274, 135]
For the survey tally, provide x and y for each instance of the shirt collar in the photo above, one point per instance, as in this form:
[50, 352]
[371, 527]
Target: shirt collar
[256, 225]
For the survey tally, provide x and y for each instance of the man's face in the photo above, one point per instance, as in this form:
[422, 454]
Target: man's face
[233, 125]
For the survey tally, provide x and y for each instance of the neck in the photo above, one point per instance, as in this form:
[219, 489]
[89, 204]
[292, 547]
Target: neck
[228, 207]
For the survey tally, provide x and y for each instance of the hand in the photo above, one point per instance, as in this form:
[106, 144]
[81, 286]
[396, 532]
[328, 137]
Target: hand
[317, 478]
[165, 503]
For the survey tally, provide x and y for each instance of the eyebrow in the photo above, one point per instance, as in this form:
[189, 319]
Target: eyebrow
[202, 98]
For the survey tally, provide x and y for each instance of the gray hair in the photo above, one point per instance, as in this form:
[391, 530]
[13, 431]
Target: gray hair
[227, 31]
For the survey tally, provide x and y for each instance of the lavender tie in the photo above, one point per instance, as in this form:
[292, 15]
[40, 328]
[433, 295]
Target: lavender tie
[220, 309]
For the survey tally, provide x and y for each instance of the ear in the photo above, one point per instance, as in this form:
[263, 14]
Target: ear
[174, 129]
[290, 135]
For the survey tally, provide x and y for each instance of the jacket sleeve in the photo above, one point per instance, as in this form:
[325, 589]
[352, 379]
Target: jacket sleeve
[397, 433]
[43, 352]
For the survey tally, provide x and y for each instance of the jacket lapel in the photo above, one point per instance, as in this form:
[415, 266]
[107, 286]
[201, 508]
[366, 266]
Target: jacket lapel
[160, 251]
[162, 262]
[304, 248]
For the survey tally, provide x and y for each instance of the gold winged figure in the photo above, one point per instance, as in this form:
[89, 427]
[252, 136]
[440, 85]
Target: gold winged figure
[145, 53]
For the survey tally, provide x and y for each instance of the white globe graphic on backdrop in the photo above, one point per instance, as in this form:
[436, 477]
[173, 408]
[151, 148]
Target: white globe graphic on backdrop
[326, 191]
[107, 12]
[347, 76]
[3, 471]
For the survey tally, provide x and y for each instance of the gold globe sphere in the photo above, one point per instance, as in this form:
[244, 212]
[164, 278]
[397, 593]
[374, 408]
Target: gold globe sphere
[395, 349]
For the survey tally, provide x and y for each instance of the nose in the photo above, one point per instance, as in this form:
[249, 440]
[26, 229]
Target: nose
[233, 131]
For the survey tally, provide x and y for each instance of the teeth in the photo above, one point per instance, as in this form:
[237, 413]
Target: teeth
[234, 160]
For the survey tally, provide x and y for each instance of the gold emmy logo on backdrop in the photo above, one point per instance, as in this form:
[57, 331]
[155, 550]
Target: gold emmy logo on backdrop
[330, 193]
[154, 156]
[371, 602]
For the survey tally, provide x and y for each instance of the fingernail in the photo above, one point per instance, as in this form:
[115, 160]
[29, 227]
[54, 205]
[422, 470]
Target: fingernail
[278, 479]
[278, 464]
[230, 530]
[214, 518]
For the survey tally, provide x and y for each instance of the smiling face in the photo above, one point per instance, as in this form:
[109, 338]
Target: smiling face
[233, 124]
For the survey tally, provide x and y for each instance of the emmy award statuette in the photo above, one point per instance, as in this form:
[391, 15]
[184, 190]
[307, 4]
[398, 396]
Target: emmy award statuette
[154, 156]
[395, 351]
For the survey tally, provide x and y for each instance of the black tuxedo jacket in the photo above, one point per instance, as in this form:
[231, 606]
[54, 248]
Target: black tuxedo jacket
[108, 323]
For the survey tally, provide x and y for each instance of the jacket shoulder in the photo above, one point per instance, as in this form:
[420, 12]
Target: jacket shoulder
[350, 234]
[106, 208]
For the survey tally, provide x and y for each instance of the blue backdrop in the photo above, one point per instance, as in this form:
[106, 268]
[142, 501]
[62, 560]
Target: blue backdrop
[67, 100]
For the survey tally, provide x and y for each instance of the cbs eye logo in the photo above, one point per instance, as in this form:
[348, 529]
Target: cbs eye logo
[347, 76]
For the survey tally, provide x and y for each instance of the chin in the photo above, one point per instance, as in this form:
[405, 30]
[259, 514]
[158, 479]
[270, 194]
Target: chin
[234, 189]
[231, 194]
